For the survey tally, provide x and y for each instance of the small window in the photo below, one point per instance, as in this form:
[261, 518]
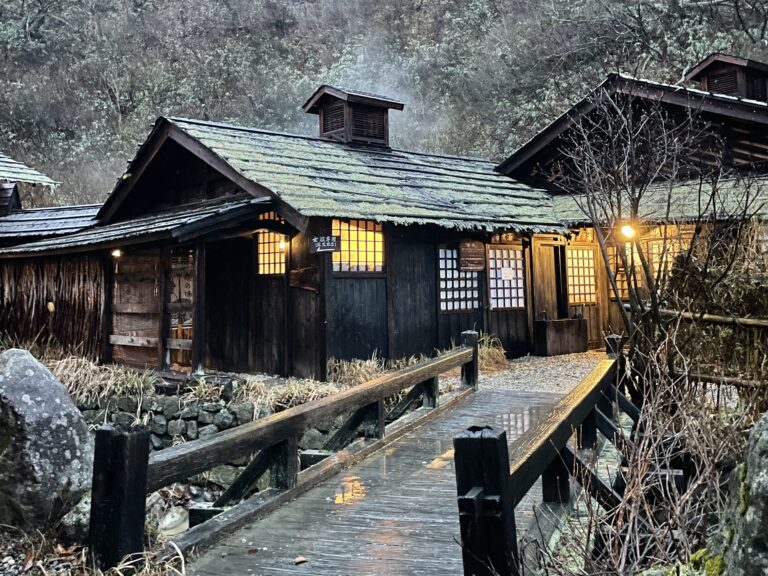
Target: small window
[582, 283]
[362, 246]
[618, 272]
[459, 291]
[271, 252]
[506, 277]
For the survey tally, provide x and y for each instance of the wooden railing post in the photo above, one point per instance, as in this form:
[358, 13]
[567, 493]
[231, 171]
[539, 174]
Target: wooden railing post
[485, 500]
[118, 494]
[471, 370]
[431, 393]
[555, 481]
[284, 469]
[614, 344]
[587, 432]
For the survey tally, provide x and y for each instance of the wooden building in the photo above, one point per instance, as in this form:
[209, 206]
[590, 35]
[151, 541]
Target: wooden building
[230, 248]
[730, 100]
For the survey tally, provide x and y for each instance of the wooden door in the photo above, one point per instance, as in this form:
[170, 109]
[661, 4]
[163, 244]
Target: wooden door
[548, 285]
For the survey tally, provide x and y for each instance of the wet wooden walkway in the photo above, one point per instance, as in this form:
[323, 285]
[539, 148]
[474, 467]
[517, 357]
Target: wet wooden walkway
[394, 513]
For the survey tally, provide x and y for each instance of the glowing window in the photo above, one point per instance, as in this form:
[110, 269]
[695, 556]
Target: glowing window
[506, 277]
[582, 283]
[458, 290]
[362, 246]
[271, 252]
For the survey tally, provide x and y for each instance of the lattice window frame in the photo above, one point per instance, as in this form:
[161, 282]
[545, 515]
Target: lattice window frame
[581, 273]
[457, 291]
[506, 294]
[271, 259]
[361, 246]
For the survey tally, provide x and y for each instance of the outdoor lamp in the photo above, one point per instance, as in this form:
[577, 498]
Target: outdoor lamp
[627, 231]
[117, 253]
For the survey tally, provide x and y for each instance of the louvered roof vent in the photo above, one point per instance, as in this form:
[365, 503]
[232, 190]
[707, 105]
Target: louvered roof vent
[9, 198]
[351, 115]
[731, 75]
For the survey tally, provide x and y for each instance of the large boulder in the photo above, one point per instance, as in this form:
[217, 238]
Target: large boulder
[46, 451]
[747, 554]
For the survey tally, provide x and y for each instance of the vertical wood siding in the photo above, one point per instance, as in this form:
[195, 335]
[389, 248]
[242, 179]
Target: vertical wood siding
[357, 317]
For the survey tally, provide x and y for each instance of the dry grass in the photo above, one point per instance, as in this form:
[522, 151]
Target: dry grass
[493, 357]
[41, 555]
[88, 381]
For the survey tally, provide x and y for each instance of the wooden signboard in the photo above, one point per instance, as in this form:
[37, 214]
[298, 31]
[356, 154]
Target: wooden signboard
[324, 244]
[471, 256]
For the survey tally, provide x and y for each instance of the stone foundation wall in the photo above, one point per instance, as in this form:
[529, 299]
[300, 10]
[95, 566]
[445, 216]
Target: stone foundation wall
[169, 418]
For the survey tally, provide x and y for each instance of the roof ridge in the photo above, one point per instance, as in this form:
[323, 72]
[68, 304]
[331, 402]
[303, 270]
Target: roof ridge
[371, 148]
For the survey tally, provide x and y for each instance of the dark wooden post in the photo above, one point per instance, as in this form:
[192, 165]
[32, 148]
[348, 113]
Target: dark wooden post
[284, 471]
[118, 494]
[431, 393]
[375, 421]
[555, 481]
[198, 325]
[587, 432]
[486, 511]
[165, 297]
[471, 370]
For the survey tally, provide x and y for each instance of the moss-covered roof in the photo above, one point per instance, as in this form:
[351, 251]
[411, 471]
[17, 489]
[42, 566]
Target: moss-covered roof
[322, 178]
[14, 171]
[731, 198]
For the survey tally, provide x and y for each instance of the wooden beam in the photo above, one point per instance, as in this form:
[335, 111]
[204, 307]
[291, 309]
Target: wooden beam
[135, 308]
[179, 462]
[139, 341]
[164, 325]
[198, 324]
[407, 401]
[533, 453]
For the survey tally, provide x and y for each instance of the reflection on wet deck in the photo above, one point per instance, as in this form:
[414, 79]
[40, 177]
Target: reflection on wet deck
[392, 514]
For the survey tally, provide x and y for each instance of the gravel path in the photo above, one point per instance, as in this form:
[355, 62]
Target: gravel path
[552, 374]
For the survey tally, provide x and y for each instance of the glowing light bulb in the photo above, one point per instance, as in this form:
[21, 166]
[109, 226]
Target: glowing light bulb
[117, 253]
[627, 231]
[281, 245]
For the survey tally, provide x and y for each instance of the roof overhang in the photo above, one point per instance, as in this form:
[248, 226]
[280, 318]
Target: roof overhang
[311, 105]
[719, 104]
[719, 58]
[175, 226]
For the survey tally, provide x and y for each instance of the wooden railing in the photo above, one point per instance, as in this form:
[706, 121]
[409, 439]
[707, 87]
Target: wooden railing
[124, 472]
[489, 488]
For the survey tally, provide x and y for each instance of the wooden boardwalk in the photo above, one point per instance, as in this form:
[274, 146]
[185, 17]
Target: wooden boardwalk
[393, 513]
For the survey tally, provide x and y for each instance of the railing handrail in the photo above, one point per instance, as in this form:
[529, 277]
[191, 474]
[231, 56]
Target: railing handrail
[184, 460]
[533, 452]
[713, 318]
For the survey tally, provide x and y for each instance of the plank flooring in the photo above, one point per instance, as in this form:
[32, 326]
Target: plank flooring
[392, 514]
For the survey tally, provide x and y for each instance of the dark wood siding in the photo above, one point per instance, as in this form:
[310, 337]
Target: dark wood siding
[306, 306]
[267, 350]
[412, 281]
[228, 280]
[511, 327]
[357, 317]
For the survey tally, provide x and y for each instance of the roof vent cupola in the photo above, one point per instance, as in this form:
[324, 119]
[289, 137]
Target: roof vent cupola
[352, 116]
[731, 75]
[9, 198]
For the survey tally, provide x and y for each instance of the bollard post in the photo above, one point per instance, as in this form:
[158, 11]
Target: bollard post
[118, 494]
[485, 501]
[614, 344]
[470, 371]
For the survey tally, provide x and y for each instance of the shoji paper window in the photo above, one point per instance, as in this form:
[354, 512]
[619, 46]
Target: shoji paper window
[506, 277]
[458, 290]
[580, 269]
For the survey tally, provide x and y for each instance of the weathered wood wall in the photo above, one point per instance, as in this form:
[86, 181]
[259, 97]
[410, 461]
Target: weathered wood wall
[412, 293]
[75, 285]
[229, 268]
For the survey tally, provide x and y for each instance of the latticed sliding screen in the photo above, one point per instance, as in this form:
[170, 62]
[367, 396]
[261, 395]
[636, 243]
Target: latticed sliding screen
[271, 256]
[618, 271]
[458, 290]
[582, 283]
[663, 253]
[362, 246]
[506, 277]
